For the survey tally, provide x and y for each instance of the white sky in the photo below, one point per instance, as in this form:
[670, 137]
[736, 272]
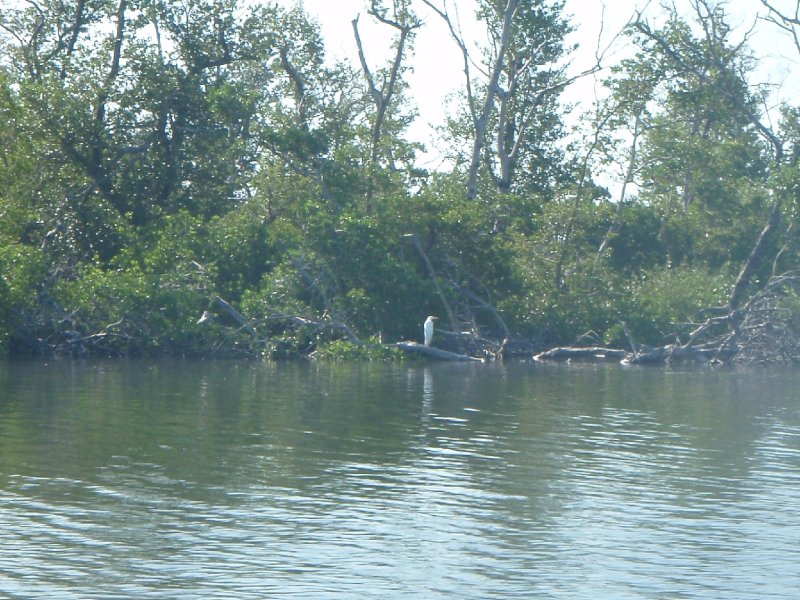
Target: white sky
[437, 62]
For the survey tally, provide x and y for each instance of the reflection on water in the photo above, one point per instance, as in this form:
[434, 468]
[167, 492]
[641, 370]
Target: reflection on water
[249, 480]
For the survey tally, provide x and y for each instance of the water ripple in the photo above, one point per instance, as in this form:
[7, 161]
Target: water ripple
[400, 483]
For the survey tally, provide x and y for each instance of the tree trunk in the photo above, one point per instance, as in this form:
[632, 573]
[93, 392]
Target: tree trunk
[481, 122]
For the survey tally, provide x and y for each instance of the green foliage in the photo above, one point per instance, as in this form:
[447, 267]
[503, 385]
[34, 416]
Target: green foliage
[665, 303]
[197, 153]
[370, 351]
[636, 243]
[22, 270]
[699, 159]
[789, 307]
[130, 312]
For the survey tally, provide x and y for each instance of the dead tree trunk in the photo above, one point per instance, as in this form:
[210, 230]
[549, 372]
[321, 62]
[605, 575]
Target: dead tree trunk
[382, 96]
[480, 117]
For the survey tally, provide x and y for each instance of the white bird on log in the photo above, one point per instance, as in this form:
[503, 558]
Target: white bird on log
[428, 329]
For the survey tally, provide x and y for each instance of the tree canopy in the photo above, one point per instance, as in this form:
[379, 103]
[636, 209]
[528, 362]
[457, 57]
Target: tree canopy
[164, 160]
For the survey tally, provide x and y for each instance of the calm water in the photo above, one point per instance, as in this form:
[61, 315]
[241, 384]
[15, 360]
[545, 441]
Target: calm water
[249, 480]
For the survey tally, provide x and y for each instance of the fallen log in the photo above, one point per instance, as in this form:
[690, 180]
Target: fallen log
[436, 353]
[676, 353]
[664, 354]
[236, 315]
[587, 352]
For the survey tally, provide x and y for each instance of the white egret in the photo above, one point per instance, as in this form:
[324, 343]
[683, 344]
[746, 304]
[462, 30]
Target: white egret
[428, 329]
[205, 317]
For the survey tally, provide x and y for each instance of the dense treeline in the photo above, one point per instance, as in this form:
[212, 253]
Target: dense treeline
[160, 161]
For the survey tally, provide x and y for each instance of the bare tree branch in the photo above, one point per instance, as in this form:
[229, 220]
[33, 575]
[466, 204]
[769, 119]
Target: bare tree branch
[765, 131]
[458, 37]
[382, 96]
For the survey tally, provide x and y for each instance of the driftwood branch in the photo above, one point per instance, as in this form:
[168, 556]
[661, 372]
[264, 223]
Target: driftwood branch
[435, 279]
[436, 353]
[236, 315]
[664, 354]
[590, 352]
[493, 311]
[763, 330]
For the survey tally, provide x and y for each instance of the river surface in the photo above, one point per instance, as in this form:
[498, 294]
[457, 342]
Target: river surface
[133, 479]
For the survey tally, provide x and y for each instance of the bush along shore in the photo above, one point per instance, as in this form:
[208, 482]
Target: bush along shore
[198, 179]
